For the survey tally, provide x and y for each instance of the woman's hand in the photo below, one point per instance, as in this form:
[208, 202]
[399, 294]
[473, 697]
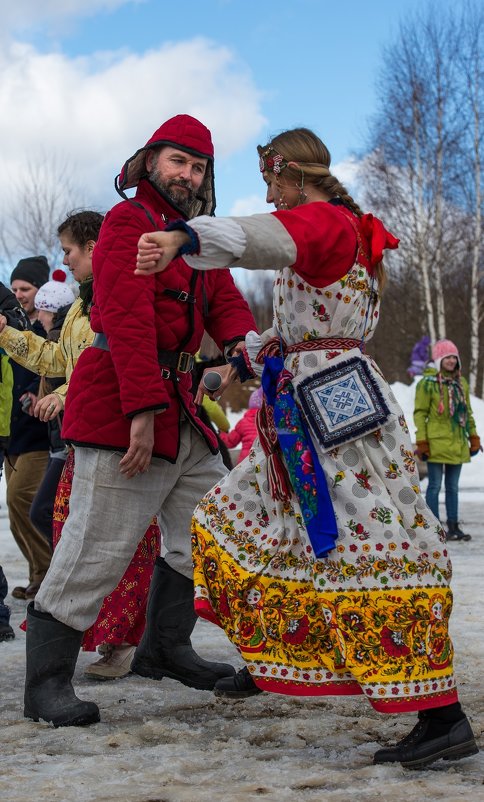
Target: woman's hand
[157, 249]
[48, 407]
[228, 375]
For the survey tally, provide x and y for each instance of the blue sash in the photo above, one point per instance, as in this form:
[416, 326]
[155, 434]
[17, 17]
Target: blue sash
[302, 463]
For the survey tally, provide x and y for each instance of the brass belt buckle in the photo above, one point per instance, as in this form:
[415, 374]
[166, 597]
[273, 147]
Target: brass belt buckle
[185, 362]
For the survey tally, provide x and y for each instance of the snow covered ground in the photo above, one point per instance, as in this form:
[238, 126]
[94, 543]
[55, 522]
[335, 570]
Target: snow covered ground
[162, 742]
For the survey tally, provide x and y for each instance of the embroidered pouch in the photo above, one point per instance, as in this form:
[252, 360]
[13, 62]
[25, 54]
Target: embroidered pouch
[343, 401]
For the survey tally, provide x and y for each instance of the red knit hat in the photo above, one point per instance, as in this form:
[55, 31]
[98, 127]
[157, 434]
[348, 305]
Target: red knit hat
[443, 348]
[184, 133]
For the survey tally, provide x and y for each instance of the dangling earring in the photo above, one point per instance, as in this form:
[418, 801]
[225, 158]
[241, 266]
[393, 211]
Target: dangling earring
[302, 195]
[282, 203]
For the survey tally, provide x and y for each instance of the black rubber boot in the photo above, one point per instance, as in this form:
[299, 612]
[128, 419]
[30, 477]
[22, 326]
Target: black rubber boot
[165, 649]
[454, 532]
[237, 687]
[52, 651]
[437, 735]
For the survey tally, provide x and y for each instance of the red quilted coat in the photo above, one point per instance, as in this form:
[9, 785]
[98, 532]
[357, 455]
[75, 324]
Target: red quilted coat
[140, 316]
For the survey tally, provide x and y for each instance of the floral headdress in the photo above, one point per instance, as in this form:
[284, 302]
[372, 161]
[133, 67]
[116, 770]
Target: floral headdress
[271, 160]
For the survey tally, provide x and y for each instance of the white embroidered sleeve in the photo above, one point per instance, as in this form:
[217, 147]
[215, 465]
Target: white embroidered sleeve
[256, 242]
[221, 241]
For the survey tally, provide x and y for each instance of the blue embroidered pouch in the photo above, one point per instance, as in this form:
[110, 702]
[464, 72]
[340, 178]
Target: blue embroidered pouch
[342, 402]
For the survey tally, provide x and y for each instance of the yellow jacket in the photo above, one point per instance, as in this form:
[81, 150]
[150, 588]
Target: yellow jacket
[216, 414]
[49, 358]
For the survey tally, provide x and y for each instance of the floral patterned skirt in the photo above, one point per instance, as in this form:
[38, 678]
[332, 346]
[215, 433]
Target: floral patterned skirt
[371, 617]
[123, 614]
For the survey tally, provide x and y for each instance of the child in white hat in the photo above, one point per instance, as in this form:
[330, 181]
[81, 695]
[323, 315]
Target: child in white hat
[51, 296]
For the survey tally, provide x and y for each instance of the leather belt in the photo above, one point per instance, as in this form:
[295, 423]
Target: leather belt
[180, 361]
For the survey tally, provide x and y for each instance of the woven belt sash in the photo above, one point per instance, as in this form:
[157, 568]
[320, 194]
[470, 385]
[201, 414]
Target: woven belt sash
[273, 346]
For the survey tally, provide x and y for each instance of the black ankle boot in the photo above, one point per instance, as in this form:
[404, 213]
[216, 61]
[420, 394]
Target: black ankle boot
[433, 737]
[237, 687]
[52, 651]
[454, 532]
[165, 649]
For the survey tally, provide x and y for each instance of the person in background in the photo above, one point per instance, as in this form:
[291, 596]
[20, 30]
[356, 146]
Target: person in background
[121, 621]
[446, 433]
[27, 453]
[52, 302]
[419, 357]
[245, 430]
[317, 554]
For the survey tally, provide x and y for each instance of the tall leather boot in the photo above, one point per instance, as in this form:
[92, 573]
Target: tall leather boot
[165, 649]
[52, 651]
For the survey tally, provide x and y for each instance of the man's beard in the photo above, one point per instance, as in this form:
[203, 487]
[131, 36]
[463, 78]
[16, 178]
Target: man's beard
[182, 198]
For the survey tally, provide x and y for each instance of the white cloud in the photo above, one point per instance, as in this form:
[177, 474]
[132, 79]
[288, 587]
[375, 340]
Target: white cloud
[253, 204]
[96, 111]
[25, 14]
[346, 172]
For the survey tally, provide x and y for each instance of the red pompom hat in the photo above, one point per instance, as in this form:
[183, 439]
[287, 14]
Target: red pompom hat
[54, 293]
[184, 133]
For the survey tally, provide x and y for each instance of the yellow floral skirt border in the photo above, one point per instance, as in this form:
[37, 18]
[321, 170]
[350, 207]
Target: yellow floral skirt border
[390, 644]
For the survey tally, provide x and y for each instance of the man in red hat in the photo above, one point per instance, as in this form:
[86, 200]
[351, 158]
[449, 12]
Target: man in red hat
[141, 448]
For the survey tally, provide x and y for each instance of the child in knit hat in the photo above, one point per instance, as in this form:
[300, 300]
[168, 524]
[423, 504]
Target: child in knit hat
[51, 297]
[245, 431]
[446, 432]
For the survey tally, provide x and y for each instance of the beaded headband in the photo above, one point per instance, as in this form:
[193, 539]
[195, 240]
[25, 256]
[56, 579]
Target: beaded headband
[271, 160]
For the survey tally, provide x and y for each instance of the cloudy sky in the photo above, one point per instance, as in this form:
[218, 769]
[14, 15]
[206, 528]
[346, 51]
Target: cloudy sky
[87, 81]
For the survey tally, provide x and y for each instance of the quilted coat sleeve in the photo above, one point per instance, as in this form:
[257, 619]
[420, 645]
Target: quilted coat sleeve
[125, 307]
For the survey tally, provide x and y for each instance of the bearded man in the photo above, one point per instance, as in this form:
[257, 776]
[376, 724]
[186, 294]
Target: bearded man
[140, 447]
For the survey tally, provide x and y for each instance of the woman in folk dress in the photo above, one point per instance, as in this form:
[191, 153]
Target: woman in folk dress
[318, 554]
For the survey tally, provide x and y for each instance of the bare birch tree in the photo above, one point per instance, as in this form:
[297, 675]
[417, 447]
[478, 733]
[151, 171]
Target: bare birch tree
[471, 64]
[39, 200]
[424, 173]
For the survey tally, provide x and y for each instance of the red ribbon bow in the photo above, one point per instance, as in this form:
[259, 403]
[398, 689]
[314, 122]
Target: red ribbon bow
[377, 236]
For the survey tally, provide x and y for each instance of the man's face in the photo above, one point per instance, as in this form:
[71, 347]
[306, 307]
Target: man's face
[25, 294]
[176, 173]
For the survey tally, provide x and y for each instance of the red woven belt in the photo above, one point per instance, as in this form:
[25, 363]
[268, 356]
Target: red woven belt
[273, 346]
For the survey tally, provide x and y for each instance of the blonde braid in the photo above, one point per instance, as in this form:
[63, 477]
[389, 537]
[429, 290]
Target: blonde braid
[335, 189]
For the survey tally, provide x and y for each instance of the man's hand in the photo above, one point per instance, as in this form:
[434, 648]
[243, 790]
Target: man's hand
[48, 407]
[157, 249]
[228, 374]
[142, 437]
[3, 322]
